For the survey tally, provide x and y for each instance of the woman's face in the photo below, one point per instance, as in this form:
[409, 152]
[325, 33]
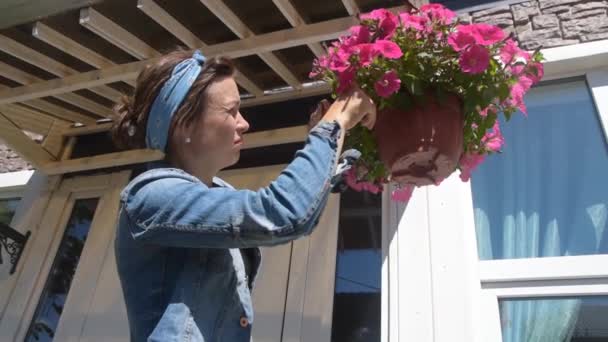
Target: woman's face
[216, 138]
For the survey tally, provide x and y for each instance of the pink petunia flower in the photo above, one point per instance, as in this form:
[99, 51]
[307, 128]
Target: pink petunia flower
[388, 84]
[387, 21]
[493, 140]
[366, 53]
[355, 184]
[359, 34]
[461, 40]
[468, 163]
[413, 21]
[402, 194]
[345, 80]
[474, 60]
[488, 34]
[438, 13]
[388, 49]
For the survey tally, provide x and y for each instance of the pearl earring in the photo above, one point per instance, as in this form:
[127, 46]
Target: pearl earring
[188, 140]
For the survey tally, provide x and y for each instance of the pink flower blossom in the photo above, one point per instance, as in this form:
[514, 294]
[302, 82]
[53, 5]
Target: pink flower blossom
[438, 13]
[387, 21]
[402, 194]
[468, 163]
[413, 21]
[318, 66]
[493, 140]
[359, 34]
[474, 60]
[489, 109]
[345, 80]
[339, 60]
[351, 181]
[488, 34]
[516, 98]
[388, 49]
[460, 40]
[366, 53]
[388, 84]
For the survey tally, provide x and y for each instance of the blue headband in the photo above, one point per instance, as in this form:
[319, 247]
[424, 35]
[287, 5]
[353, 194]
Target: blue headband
[169, 99]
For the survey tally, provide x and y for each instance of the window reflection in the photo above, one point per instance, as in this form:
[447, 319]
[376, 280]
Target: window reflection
[356, 315]
[54, 295]
[564, 319]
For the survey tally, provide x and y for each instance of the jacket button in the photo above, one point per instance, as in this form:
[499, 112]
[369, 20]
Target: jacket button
[244, 322]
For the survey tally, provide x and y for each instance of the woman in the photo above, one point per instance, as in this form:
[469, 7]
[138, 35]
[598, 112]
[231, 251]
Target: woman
[186, 244]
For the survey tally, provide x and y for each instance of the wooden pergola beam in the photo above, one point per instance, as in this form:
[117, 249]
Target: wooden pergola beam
[23, 77]
[351, 7]
[236, 25]
[22, 144]
[295, 19]
[102, 161]
[115, 34]
[173, 26]
[15, 12]
[300, 35]
[48, 64]
[29, 119]
[52, 37]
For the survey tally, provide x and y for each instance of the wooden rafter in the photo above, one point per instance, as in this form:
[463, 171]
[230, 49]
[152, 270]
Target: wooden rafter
[115, 34]
[34, 57]
[70, 46]
[26, 118]
[275, 137]
[236, 25]
[23, 77]
[15, 12]
[172, 25]
[295, 19]
[26, 147]
[102, 161]
[351, 7]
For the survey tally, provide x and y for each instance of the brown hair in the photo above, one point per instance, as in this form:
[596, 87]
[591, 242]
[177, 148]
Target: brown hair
[134, 110]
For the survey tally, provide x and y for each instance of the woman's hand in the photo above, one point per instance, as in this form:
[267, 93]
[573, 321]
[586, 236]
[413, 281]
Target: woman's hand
[351, 108]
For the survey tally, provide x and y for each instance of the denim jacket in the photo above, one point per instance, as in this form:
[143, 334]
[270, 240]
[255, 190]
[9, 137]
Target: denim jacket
[187, 254]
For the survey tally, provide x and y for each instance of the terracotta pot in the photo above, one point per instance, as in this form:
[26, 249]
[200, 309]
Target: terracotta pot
[421, 145]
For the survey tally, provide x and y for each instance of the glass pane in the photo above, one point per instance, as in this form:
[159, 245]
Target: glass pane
[572, 319]
[57, 286]
[356, 315]
[546, 194]
[8, 206]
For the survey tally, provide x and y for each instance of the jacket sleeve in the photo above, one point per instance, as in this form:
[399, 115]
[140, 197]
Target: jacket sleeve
[181, 212]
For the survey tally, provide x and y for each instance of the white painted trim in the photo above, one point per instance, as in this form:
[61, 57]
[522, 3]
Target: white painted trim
[556, 288]
[574, 60]
[598, 82]
[566, 267]
[14, 181]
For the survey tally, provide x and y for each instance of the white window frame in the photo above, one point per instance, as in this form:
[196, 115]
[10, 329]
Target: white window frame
[431, 250]
[52, 204]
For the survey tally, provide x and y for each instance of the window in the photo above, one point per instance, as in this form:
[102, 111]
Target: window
[55, 292]
[8, 206]
[357, 309]
[546, 195]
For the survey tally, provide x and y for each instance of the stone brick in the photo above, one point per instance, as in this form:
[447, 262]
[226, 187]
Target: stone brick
[588, 6]
[500, 20]
[547, 43]
[519, 29]
[545, 21]
[523, 11]
[594, 36]
[465, 18]
[555, 3]
[539, 35]
[575, 28]
[491, 11]
[558, 9]
[582, 14]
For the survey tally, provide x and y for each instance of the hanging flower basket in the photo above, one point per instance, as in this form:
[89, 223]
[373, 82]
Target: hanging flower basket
[440, 87]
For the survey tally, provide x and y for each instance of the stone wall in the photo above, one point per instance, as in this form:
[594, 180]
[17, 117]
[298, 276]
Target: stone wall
[548, 23]
[10, 161]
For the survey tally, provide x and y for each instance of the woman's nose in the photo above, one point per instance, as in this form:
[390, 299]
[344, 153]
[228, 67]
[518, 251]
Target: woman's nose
[242, 124]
